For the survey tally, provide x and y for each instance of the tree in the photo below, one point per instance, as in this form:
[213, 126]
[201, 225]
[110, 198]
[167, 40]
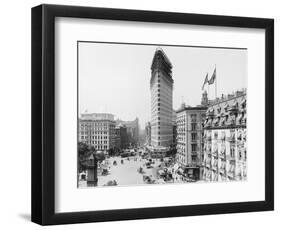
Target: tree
[84, 152]
[82, 149]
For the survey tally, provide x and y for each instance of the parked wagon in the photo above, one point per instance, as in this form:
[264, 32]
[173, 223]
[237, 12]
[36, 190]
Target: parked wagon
[148, 180]
[104, 172]
[111, 183]
[140, 170]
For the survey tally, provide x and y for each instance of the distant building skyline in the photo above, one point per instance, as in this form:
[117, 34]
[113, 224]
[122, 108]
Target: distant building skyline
[103, 132]
[114, 78]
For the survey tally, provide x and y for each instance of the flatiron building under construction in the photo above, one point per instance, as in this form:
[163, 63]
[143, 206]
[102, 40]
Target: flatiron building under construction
[161, 89]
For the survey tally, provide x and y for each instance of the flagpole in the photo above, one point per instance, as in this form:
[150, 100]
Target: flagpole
[216, 80]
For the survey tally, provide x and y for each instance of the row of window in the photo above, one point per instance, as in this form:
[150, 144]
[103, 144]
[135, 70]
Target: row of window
[242, 155]
[100, 147]
[226, 106]
[94, 137]
[193, 136]
[193, 118]
[100, 142]
[93, 125]
[86, 133]
[193, 147]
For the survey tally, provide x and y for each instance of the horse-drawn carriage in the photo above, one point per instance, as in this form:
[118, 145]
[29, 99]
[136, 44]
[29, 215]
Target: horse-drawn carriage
[148, 165]
[165, 174]
[111, 183]
[140, 170]
[148, 180]
[104, 172]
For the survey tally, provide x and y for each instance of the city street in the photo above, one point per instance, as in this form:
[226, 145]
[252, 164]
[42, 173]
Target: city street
[126, 173]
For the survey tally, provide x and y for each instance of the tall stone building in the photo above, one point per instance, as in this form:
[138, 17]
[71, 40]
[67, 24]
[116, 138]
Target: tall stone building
[148, 134]
[98, 130]
[132, 129]
[117, 138]
[225, 135]
[124, 140]
[174, 120]
[161, 89]
[190, 140]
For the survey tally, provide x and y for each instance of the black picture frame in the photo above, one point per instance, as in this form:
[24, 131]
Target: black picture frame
[43, 114]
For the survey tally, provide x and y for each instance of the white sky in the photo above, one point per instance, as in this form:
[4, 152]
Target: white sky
[114, 78]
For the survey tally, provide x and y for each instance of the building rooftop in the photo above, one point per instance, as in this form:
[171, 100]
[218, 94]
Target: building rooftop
[191, 108]
[160, 55]
[96, 116]
[228, 97]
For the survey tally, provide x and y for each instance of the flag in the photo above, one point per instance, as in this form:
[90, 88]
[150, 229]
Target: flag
[205, 81]
[213, 78]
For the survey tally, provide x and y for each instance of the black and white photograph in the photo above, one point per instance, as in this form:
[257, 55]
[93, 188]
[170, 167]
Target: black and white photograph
[141, 114]
[151, 114]
[121, 115]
